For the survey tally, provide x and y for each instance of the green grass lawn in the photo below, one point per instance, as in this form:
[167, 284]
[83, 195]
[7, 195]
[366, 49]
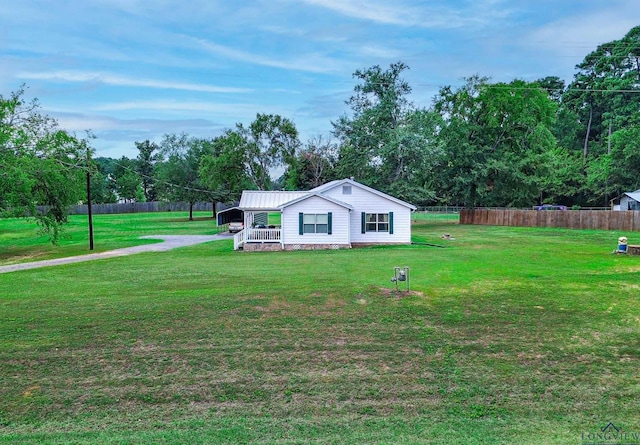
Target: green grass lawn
[22, 240]
[511, 335]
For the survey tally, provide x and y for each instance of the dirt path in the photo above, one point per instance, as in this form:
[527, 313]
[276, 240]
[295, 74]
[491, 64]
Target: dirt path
[170, 242]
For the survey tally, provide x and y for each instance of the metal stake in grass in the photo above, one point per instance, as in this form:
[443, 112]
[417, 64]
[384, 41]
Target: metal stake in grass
[401, 274]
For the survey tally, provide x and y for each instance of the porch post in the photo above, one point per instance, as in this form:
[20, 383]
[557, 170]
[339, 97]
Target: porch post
[281, 232]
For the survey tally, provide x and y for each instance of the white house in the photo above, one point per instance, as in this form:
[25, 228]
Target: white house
[339, 214]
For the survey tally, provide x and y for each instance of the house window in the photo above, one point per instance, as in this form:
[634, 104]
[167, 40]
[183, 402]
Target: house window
[315, 223]
[377, 222]
[346, 189]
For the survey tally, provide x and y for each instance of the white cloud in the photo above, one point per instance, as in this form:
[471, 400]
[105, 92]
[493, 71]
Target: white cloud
[583, 33]
[179, 106]
[314, 63]
[112, 79]
[115, 137]
[80, 122]
[573, 37]
[443, 15]
[390, 13]
[380, 52]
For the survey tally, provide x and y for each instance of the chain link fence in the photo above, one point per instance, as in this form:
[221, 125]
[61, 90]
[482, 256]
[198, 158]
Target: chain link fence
[437, 214]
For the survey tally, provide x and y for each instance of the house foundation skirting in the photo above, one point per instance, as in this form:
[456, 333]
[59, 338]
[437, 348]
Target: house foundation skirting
[261, 247]
[378, 244]
[316, 246]
[274, 247]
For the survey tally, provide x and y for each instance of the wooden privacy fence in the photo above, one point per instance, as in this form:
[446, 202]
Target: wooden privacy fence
[140, 207]
[570, 219]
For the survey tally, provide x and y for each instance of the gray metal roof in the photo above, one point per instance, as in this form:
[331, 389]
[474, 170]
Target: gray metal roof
[267, 200]
[634, 195]
[275, 200]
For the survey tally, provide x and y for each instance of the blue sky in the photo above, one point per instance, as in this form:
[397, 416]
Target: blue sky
[130, 70]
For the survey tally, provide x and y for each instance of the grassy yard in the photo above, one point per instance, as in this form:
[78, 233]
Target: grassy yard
[22, 241]
[511, 335]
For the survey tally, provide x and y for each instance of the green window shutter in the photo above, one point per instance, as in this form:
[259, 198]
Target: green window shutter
[300, 224]
[390, 223]
[329, 218]
[364, 222]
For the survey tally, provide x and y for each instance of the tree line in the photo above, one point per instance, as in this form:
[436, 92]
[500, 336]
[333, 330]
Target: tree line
[484, 143]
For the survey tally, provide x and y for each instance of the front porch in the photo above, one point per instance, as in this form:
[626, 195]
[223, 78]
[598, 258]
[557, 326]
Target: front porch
[271, 235]
[261, 227]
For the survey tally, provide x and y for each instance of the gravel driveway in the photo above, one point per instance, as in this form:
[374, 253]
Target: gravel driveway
[170, 242]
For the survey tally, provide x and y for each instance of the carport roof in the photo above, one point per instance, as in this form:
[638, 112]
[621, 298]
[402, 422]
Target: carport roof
[227, 215]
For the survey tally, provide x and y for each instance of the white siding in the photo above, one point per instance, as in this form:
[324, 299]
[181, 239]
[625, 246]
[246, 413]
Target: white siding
[629, 203]
[317, 205]
[365, 201]
[624, 202]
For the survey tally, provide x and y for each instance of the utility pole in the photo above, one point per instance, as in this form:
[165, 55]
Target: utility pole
[89, 199]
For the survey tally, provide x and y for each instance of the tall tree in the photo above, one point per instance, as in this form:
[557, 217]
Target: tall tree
[179, 174]
[145, 166]
[102, 185]
[378, 107]
[269, 143]
[223, 170]
[554, 86]
[619, 170]
[413, 158]
[40, 164]
[101, 191]
[603, 99]
[127, 182]
[498, 140]
[387, 143]
[314, 164]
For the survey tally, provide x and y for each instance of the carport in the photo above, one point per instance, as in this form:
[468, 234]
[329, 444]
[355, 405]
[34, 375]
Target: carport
[230, 214]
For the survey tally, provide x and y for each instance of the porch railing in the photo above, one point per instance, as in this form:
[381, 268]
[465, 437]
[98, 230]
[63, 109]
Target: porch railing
[256, 236]
[238, 240]
[262, 235]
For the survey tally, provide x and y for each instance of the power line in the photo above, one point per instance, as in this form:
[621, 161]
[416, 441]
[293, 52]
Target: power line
[593, 90]
[158, 181]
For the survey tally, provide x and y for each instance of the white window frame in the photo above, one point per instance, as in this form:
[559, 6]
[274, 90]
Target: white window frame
[377, 222]
[315, 223]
